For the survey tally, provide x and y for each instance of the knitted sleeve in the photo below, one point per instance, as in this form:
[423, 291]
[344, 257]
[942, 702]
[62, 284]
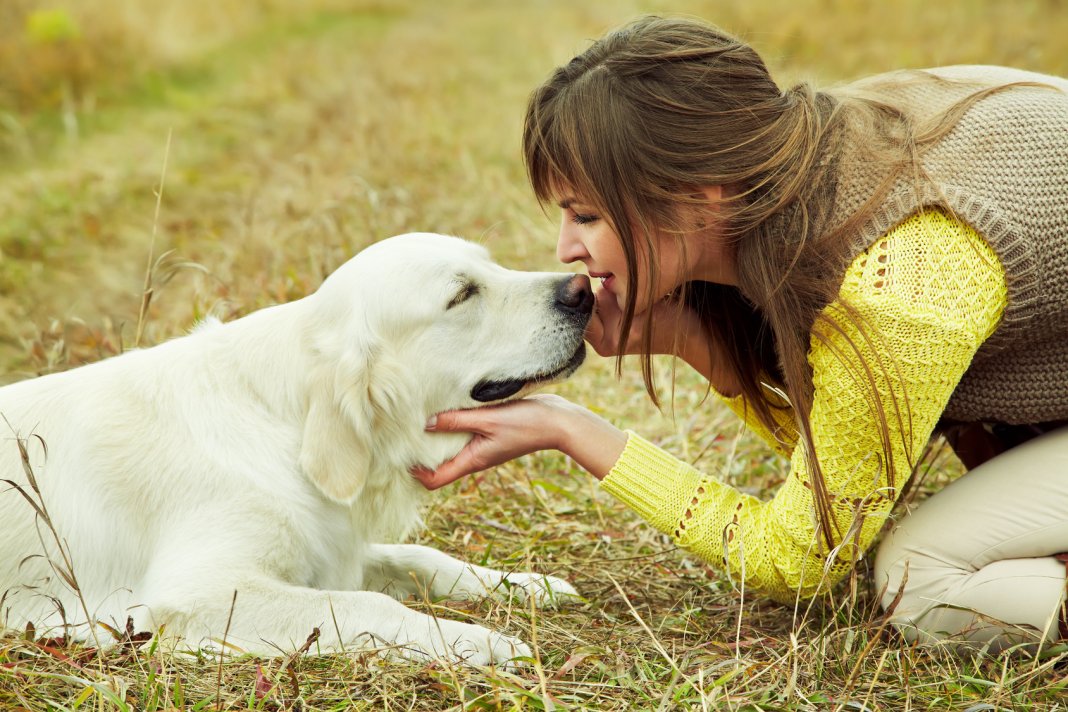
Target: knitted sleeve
[784, 438]
[929, 293]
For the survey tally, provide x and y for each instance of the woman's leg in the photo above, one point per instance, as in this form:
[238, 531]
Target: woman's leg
[975, 562]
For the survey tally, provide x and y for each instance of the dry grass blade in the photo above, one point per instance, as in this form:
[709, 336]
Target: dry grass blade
[862, 659]
[64, 568]
[222, 653]
[147, 291]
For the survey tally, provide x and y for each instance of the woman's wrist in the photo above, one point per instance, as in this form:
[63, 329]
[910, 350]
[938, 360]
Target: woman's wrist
[588, 439]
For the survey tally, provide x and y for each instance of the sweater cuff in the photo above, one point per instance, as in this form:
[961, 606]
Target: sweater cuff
[651, 482]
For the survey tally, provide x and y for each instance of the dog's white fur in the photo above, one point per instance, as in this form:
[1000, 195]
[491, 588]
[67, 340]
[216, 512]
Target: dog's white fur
[269, 456]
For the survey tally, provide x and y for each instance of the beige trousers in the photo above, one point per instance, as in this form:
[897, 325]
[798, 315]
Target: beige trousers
[975, 562]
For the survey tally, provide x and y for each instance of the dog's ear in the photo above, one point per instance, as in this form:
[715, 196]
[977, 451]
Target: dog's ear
[335, 452]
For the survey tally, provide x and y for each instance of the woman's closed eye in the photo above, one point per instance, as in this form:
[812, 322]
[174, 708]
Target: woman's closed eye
[583, 218]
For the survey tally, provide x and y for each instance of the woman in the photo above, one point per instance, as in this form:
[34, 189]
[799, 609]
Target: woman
[853, 271]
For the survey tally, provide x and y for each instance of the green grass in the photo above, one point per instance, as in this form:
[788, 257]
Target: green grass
[302, 132]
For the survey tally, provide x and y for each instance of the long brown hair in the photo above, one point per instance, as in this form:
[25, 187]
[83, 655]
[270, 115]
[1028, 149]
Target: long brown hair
[663, 106]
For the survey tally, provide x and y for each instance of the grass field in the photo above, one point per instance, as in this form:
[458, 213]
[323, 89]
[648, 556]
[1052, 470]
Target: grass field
[288, 134]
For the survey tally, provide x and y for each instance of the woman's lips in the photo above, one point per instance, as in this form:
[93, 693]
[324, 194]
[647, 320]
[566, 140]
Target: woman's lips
[607, 279]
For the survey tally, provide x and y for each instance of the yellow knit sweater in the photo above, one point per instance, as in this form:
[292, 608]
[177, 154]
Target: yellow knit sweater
[931, 291]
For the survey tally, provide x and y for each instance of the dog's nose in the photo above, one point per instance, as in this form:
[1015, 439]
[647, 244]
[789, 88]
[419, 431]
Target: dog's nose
[574, 295]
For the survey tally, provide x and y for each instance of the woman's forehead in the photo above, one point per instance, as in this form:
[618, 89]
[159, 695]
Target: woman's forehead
[564, 194]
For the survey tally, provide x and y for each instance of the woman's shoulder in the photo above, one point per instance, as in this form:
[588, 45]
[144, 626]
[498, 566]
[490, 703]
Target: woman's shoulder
[931, 263]
[993, 75]
[949, 82]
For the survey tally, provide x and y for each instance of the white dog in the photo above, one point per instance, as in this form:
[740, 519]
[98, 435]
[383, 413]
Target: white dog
[270, 456]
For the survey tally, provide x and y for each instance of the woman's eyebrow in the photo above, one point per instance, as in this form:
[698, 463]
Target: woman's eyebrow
[565, 203]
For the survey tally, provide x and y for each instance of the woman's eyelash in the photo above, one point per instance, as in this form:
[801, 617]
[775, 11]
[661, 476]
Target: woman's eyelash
[583, 219]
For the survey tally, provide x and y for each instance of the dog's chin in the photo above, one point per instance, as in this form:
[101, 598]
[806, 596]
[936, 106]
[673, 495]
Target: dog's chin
[490, 391]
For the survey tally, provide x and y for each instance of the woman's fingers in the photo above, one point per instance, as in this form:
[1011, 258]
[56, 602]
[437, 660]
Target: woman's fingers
[447, 473]
[454, 421]
[426, 476]
[479, 454]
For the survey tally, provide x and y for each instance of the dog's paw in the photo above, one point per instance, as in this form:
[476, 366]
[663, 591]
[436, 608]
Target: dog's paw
[544, 590]
[468, 643]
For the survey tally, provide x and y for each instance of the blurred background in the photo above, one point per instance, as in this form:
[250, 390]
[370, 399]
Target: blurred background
[290, 133]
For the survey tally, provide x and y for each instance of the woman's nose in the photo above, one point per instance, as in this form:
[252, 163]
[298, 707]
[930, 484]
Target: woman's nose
[568, 247]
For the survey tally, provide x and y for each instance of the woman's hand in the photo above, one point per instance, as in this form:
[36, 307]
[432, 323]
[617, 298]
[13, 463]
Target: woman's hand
[505, 432]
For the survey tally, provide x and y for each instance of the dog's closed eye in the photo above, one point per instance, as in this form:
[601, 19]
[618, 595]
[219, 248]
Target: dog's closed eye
[467, 290]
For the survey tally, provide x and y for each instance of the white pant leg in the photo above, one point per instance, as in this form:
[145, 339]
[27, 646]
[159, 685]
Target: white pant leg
[979, 554]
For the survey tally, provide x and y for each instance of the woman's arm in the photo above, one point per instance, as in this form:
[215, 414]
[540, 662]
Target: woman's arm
[938, 298]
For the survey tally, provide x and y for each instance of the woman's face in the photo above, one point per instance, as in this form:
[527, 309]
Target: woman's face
[585, 236]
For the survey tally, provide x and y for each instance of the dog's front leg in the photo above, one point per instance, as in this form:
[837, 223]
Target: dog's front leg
[268, 616]
[409, 569]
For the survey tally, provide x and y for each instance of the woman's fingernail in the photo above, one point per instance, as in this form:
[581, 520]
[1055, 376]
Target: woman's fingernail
[431, 422]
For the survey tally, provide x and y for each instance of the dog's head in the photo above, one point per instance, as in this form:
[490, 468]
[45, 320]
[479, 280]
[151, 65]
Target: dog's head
[418, 324]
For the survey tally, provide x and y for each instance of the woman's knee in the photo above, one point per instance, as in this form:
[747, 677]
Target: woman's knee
[892, 561]
[910, 578]
[930, 595]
